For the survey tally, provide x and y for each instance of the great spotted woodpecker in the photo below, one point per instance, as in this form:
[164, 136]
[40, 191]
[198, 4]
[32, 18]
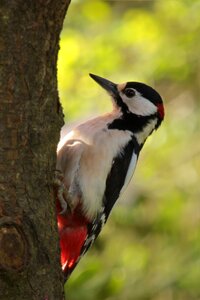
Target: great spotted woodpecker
[96, 161]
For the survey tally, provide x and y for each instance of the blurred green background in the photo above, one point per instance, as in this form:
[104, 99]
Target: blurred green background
[150, 247]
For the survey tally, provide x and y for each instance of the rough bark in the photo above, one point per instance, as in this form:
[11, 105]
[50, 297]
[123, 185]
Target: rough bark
[30, 122]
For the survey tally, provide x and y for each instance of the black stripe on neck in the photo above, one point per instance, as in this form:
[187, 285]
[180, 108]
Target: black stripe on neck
[131, 122]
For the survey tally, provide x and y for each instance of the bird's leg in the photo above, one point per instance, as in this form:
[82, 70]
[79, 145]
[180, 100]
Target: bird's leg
[62, 193]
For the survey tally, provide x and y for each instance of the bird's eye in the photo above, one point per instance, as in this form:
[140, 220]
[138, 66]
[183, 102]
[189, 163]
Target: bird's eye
[129, 93]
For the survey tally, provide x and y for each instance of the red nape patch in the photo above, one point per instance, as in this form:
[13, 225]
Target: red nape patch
[161, 110]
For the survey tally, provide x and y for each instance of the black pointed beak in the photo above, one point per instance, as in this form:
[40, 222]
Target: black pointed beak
[109, 86]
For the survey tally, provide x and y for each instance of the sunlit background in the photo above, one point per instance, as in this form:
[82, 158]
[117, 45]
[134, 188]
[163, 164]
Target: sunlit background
[150, 247]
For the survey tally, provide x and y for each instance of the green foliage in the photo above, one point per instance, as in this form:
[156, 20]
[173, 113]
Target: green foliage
[150, 248]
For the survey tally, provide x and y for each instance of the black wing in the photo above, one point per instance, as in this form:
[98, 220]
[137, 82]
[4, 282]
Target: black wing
[116, 178]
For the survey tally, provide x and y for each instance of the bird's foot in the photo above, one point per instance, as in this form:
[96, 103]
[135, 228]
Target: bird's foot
[62, 194]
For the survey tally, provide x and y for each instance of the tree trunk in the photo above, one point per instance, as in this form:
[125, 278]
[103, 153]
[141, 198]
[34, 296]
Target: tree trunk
[30, 122]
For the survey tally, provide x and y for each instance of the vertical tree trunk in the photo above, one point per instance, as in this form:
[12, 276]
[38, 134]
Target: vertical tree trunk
[30, 122]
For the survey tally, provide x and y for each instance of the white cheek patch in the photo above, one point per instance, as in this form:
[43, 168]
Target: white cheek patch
[139, 105]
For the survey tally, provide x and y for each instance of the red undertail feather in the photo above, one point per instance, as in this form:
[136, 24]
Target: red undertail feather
[72, 232]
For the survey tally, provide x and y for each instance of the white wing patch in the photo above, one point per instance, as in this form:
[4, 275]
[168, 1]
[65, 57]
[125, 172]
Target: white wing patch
[130, 172]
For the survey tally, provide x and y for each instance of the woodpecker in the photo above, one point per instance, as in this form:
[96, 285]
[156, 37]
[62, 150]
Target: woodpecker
[95, 162]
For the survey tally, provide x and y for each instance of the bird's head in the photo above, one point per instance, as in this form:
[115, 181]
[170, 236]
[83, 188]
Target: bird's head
[134, 98]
